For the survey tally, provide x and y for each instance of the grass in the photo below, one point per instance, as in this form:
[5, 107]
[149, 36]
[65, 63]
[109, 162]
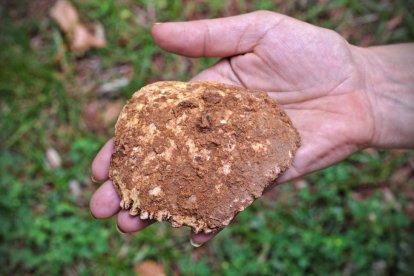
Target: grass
[354, 217]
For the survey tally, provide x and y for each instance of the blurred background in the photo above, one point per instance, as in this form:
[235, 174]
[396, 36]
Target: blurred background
[67, 69]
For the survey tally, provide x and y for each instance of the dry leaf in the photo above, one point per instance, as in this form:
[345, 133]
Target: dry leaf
[148, 268]
[90, 116]
[80, 37]
[394, 22]
[65, 15]
[99, 115]
[113, 85]
[145, 17]
[111, 112]
[84, 38]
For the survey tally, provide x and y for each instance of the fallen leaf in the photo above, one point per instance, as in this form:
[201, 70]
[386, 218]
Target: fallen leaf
[113, 79]
[84, 38]
[65, 15]
[80, 37]
[148, 268]
[145, 17]
[87, 71]
[113, 85]
[98, 116]
[393, 22]
[90, 116]
[111, 112]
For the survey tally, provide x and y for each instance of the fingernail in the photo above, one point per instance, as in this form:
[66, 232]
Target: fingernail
[193, 243]
[119, 230]
[93, 179]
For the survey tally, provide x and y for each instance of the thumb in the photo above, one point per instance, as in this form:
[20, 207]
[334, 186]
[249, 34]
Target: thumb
[220, 37]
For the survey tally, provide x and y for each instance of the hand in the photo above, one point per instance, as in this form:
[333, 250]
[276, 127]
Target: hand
[312, 72]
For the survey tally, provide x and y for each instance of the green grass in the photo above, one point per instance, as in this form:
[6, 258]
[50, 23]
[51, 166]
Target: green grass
[350, 218]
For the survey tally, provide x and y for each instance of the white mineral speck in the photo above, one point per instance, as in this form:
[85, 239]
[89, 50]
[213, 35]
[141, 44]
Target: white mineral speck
[226, 169]
[155, 191]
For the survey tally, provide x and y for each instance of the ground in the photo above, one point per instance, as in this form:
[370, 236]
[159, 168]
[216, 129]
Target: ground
[58, 107]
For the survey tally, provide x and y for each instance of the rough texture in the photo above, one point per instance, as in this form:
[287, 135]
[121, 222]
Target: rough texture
[198, 153]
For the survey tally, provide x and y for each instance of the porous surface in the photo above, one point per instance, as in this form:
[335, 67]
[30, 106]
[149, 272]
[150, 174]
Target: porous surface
[198, 153]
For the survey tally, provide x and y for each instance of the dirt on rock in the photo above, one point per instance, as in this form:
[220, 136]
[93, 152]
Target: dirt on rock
[197, 153]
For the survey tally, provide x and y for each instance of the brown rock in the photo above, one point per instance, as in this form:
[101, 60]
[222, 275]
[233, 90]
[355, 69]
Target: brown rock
[198, 153]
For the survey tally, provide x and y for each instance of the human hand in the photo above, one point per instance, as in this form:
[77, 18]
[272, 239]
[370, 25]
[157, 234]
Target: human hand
[312, 72]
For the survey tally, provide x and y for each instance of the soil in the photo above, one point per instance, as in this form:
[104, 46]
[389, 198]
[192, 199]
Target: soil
[198, 153]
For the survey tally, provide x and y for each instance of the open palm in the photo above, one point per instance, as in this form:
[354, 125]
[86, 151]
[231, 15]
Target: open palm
[310, 71]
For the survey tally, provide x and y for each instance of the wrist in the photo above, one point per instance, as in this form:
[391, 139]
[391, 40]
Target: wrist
[388, 73]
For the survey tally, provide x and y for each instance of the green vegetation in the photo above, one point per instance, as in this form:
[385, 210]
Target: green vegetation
[355, 217]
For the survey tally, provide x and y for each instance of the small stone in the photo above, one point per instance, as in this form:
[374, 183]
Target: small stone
[53, 159]
[74, 187]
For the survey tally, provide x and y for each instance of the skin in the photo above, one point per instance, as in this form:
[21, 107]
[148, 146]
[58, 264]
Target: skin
[340, 97]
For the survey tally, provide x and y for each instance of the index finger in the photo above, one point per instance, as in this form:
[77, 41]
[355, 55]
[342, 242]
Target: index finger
[100, 165]
[222, 37]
